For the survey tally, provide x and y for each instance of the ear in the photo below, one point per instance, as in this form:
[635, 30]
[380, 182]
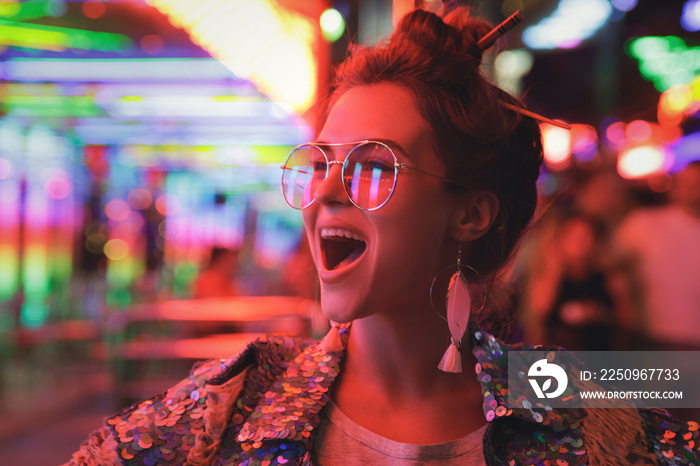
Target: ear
[473, 215]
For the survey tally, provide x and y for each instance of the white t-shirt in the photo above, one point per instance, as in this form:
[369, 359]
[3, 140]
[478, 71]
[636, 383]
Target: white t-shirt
[341, 441]
[666, 244]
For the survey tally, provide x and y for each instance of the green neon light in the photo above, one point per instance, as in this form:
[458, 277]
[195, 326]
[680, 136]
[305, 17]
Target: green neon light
[43, 105]
[35, 276]
[27, 10]
[59, 38]
[665, 61]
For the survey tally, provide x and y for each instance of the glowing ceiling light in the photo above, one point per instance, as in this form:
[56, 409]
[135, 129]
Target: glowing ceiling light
[572, 22]
[257, 40]
[641, 162]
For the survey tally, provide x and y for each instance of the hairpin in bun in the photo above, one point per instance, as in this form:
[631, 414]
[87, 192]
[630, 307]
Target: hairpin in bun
[488, 40]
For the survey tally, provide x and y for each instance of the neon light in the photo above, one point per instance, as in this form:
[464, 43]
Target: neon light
[679, 102]
[332, 24]
[510, 67]
[557, 146]
[106, 70]
[47, 105]
[641, 162]
[638, 131]
[690, 18]
[9, 237]
[152, 44]
[374, 185]
[93, 9]
[59, 39]
[117, 210]
[572, 22]
[257, 40]
[59, 185]
[116, 249]
[355, 184]
[139, 198]
[584, 143]
[666, 61]
[624, 5]
[685, 149]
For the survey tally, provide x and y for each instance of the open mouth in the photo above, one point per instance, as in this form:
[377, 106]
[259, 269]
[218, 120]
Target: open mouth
[340, 247]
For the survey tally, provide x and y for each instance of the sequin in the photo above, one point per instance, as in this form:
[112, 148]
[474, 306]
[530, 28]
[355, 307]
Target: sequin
[277, 411]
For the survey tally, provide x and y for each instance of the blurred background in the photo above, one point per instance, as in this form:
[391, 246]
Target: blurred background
[142, 226]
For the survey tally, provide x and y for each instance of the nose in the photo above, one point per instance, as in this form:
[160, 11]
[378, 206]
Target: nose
[331, 190]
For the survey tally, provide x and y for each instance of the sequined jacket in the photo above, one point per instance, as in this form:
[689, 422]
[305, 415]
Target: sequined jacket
[262, 407]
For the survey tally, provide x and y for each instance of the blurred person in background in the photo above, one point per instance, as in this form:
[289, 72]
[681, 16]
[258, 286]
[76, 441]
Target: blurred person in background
[657, 251]
[218, 277]
[567, 298]
[414, 196]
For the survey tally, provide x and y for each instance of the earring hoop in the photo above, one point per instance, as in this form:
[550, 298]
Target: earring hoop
[458, 304]
[477, 291]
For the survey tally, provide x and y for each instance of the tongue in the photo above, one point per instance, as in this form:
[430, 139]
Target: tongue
[354, 255]
[341, 251]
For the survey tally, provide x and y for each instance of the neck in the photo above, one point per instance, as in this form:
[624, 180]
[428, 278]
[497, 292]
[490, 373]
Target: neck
[397, 355]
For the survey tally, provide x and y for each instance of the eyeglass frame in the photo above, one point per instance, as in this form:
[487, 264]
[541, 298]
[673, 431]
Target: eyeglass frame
[355, 144]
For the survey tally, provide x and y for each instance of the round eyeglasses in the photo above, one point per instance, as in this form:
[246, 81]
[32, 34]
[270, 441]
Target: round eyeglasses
[369, 173]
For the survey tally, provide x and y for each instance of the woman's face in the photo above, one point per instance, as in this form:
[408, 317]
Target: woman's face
[402, 244]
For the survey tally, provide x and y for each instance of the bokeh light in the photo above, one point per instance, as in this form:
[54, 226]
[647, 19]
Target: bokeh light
[152, 44]
[572, 22]
[58, 185]
[638, 131]
[641, 162]
[93, 8]
[139, 198]
[557, 146]
[332, 24]
[117, 209]
[116, 249]
[690, 18]
[624, 5]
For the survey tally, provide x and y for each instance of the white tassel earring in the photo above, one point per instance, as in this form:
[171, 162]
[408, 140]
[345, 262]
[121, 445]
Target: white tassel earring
[333, 341]
[458, 302]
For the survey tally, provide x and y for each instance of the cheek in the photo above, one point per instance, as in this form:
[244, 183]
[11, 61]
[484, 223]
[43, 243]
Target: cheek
[309, 217]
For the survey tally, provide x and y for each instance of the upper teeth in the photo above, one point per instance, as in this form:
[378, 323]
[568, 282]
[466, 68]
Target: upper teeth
[331, 232]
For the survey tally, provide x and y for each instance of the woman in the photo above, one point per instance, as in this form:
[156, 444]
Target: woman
[437, 170]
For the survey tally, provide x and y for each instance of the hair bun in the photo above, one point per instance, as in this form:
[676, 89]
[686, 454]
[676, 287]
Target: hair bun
[469, 29]
[455, 34]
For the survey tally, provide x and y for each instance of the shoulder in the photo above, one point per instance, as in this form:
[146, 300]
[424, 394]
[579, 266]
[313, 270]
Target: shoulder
[167, 427]
[631, 436]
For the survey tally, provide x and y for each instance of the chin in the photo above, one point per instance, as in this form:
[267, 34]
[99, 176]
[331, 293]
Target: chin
[341, 307]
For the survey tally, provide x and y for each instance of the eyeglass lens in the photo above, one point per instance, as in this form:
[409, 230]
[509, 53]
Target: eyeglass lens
[369, 175]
